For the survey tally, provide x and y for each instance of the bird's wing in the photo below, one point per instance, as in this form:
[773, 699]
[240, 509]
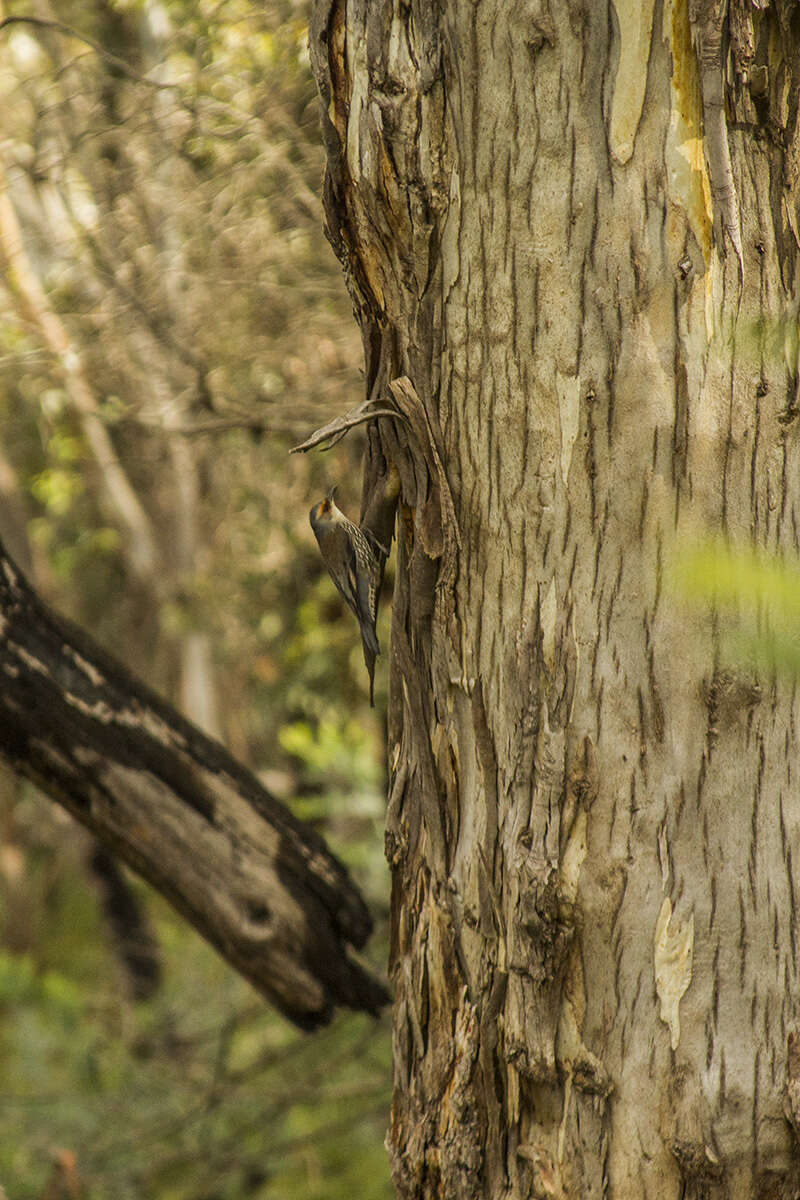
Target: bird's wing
[367, 611]
[355, 589]
[346, 579]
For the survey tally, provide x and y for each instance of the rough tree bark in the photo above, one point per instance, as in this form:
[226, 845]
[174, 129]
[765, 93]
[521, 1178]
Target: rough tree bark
[174, 805]
[570, 233]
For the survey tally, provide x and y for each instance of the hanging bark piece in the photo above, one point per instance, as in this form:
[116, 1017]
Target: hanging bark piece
[436, 520]
[379, 492]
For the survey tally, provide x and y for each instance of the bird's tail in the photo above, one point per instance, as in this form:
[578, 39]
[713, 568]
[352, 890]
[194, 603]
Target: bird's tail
[370, 639]
[369, 660]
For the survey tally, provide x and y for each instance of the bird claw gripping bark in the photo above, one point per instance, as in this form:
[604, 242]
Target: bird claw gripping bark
[355, 561]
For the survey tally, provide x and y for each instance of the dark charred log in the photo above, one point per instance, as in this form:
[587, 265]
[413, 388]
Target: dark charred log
[175, 806]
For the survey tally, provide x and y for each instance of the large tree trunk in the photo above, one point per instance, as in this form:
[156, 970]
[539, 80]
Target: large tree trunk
[576, 272]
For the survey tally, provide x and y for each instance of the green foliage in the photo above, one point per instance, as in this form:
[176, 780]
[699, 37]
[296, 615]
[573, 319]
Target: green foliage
[756, 601]
[201, 1091]
[56, 489]
[336, 749]
[183, 1099]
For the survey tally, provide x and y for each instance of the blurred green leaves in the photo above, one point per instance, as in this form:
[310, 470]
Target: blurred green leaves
[22, 984]
[56, 489]
[199, 1092]
[755, 599]
[163, 1107]
[339, 750]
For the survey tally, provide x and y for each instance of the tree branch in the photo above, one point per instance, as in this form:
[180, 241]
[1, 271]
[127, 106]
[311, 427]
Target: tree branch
[174, 805]
[118, 64]
[336, 429]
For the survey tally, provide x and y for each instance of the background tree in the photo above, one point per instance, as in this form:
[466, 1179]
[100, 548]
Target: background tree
[571, 238]
[171, 302]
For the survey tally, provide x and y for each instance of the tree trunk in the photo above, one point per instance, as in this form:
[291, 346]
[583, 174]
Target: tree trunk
[570, 232]
[174, 805]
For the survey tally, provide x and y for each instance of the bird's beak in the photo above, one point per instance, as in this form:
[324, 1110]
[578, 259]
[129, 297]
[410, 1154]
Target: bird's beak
[332, 494]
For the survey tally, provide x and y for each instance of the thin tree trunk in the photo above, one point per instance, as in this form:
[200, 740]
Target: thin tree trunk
[120, 499]
[175, 806]
[198, 694]
[587, 317]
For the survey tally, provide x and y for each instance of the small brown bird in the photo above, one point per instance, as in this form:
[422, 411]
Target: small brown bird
[355, 562]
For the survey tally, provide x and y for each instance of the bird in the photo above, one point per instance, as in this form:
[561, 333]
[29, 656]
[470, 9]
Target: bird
[355, 560]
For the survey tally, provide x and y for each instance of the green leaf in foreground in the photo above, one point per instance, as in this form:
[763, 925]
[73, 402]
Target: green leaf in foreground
[756, 598]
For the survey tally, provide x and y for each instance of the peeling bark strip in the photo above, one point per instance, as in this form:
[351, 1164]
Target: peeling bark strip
[175, 806]
[707, 18]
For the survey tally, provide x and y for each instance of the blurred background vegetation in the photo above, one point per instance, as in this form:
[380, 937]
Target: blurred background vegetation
[172, 320]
